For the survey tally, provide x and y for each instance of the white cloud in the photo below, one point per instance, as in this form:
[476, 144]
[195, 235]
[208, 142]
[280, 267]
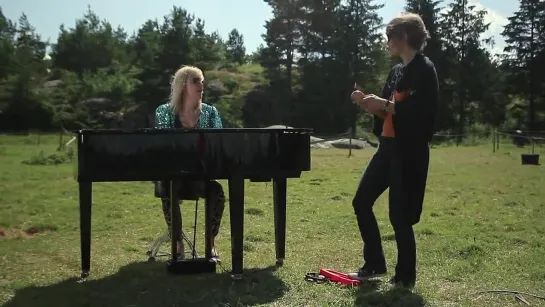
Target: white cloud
[496, 20]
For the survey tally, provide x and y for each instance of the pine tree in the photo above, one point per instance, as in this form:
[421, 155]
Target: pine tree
[522, 36]
[429, 10]
[462, 27]
[236, 52]
[282, 37]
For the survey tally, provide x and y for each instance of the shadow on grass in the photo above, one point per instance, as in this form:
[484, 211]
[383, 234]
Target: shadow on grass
[369, 294]
[148, 284]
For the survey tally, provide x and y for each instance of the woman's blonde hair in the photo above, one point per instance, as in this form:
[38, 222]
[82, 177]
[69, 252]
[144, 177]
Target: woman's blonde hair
[177, 85]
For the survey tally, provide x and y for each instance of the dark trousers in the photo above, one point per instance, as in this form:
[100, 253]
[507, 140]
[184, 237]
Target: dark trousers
[385, 170]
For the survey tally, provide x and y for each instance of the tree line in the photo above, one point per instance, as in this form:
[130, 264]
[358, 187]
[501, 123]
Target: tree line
[99, 76]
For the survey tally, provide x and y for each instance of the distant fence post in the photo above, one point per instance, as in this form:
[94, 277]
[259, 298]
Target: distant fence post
[494, 141]
[350, 145]
[352, 133]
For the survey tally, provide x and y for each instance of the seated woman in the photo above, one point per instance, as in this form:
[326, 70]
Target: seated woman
[186, 110]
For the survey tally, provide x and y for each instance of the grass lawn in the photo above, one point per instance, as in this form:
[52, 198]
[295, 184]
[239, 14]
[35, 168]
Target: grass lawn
[482, 228]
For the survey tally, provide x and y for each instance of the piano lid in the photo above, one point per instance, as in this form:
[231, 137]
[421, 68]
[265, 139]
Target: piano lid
[186, 130]
[159, 154]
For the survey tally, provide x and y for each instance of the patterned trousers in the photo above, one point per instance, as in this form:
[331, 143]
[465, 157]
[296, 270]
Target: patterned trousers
[212, 191]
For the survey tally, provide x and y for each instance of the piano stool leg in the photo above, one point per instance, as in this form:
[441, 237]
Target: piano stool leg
[85, 201]
[236, 211]
[279, 199]
[156, 245]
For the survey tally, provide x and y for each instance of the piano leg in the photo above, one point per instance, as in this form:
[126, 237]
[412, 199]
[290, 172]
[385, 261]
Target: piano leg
[175, 220]
[236, 211]
[207, 226]
[85, 200]
[279, 199]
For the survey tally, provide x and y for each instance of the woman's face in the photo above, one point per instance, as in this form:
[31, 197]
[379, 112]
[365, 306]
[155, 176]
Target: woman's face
[396, 44]
[194, 87]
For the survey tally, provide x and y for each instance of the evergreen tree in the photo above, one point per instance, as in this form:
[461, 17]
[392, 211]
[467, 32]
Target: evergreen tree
[236, 52]
[523, 47]
[429, 10]
[462, 27]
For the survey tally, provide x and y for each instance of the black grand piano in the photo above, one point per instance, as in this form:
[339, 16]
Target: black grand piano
[260, 155]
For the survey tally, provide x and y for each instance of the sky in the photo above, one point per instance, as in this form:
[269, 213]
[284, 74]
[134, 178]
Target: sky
[248, 16]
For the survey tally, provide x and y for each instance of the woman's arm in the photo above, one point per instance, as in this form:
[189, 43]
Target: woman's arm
[215, 119]
[418, 110]
[381, 114]
[162, 117]
[388, 90]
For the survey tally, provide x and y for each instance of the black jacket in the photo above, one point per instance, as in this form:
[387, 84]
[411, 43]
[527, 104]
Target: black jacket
[414, 123]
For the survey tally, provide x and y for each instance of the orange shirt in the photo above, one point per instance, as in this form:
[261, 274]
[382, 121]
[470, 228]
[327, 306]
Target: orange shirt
[388, 125]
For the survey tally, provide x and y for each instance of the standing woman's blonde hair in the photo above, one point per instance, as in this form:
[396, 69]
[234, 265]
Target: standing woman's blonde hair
[184, 75]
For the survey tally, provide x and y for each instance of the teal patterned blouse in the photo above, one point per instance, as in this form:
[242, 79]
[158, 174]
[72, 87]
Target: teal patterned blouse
[210, 117]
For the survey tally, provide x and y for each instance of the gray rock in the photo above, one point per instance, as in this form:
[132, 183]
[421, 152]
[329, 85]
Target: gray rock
[316, 142]
[346, 143]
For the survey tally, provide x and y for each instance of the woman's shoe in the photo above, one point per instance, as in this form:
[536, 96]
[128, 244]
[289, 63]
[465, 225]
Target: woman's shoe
[215, 255]
[181, 250]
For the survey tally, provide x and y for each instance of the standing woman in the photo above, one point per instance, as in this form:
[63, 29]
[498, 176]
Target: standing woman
[186, 110]
[404, 123]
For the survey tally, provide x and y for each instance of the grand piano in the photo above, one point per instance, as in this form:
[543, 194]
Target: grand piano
[260, 155]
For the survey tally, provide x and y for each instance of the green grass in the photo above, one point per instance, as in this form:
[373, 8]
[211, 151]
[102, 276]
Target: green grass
[482, 228]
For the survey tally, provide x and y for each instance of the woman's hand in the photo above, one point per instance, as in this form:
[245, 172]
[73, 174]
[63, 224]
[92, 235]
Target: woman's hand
[357, 97]
[373, 104]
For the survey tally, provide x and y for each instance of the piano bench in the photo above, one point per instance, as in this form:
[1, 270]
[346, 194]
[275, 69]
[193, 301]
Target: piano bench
[188, 190]
[261, 179]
